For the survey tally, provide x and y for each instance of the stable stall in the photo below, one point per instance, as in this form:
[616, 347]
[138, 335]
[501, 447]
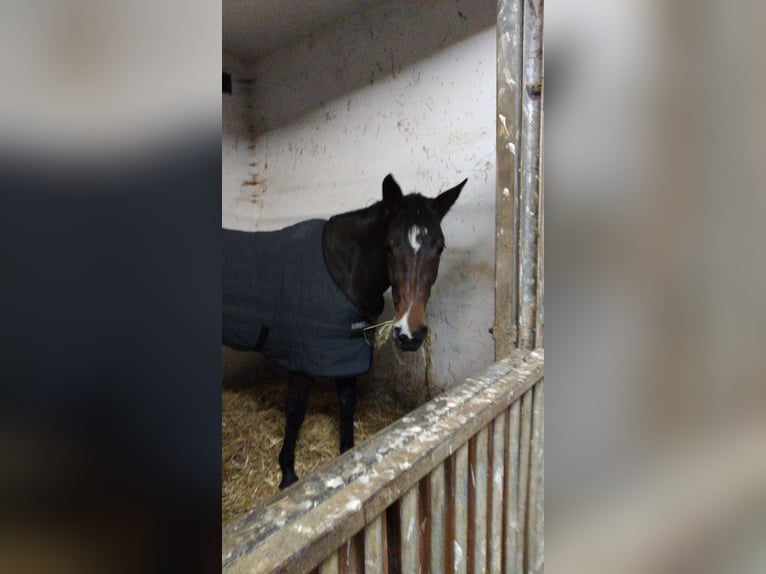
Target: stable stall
[318, 107]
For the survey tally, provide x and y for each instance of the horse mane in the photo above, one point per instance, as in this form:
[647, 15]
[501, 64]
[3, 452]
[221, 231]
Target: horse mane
[370, 212]
[411, 206]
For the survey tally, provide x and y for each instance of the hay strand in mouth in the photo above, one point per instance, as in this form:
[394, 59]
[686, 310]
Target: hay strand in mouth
[383, 337]
[381, 333]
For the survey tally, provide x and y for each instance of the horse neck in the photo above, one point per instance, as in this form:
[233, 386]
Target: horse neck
[354, 251]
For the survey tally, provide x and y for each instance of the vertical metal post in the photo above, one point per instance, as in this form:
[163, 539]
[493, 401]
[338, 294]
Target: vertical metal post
[523, 479]
[479, 479]
[460, 544]
[410, 531]
[512, 521]
[540, 326]
[519, 307]
[497, 500]
[373, 547]
[530, 212]
[535, 513]
[437, 518]
[519, 259]
[509, 83]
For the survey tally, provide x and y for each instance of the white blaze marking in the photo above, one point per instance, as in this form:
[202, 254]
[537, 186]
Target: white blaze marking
[414, 235]
[416, 231]
[403, 325]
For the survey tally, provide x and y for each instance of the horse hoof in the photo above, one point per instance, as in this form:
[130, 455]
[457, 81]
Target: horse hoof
[287, 481]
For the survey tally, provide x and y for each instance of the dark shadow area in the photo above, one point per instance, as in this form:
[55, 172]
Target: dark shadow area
[369, 47]
[110, 430]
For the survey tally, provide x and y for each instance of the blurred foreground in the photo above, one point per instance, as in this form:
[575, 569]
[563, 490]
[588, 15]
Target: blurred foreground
[656, 319]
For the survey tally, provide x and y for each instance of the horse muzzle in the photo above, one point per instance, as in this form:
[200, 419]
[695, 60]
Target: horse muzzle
[409, 341]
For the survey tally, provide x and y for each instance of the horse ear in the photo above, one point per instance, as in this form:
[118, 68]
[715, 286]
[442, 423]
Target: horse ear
[444, 201]
[392, 193]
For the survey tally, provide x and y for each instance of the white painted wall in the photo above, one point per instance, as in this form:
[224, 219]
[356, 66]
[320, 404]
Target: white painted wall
[401, 88]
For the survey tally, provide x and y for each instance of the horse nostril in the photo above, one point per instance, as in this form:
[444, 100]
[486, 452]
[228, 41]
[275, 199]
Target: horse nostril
[420, 334]
[397, 331]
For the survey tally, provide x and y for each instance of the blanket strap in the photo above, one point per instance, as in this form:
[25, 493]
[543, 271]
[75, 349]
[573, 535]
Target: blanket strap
[358, 328]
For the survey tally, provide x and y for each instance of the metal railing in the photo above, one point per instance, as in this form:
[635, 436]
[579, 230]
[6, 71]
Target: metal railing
[454, 486]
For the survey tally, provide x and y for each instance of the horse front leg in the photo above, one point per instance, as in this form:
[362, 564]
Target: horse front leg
[297, 398]
[347, 405]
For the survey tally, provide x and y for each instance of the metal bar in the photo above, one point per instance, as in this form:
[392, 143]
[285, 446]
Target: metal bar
[512, 529]
[450, 490]
[479, 480]
[509, 80]
[497, 500]
[460, 544]
[535, 513]
[424, 525]
[410, 531]
[540, 321]
[540, 331]
[373, 546]
[437, 518]
[391, 544]
[471, 517]
[529, 155]
[351, 555]
[330, 565]
[523, 492]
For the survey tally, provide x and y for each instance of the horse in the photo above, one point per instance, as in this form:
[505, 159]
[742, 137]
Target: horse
[303, 296]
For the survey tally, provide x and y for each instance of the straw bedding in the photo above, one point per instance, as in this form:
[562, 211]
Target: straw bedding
[253, 426]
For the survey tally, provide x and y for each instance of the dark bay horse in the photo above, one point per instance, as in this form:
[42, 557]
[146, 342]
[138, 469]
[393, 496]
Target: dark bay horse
[303, 295]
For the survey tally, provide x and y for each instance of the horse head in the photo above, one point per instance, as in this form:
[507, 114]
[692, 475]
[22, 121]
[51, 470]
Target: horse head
[414, 244]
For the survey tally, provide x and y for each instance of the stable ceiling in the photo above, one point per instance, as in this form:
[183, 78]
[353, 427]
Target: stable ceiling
[252, 28]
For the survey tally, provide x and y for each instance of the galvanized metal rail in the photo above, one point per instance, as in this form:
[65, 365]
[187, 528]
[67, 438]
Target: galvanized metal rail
[456, 486]
[519, 205]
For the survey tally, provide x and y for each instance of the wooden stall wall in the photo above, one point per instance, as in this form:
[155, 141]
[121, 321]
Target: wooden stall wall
[455, 486]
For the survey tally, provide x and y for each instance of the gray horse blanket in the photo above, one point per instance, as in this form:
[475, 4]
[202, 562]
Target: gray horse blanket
[279, 299]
